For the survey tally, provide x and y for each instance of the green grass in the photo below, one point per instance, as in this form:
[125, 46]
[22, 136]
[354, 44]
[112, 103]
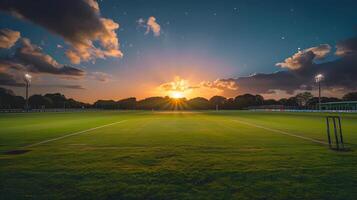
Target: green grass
[175, 155]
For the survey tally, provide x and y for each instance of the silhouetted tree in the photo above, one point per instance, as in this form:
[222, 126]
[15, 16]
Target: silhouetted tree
[315, 100]
[352, 96]
[71, 103]
[218, 101]
[39, 101]
[199, 103]
[9, 100]
[291, 102]
[156, 103]
[127, 104]
[105, 104]
[229, 104]
[271, 102]
[303, 98]
[59, 100]
[247, 100]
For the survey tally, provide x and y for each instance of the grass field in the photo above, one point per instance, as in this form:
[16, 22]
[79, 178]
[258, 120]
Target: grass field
[174, 155]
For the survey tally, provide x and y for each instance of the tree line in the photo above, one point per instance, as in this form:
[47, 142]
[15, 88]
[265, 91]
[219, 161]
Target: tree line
[8, 100]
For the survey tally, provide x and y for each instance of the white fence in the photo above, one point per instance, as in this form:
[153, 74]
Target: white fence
[308, 111]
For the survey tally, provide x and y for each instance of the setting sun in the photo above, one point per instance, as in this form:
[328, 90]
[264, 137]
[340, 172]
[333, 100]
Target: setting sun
[177, 95]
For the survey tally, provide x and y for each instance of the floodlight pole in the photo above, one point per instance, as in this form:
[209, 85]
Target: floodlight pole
[318, 79]
[27, 78]
[27, 96]
[320, 95]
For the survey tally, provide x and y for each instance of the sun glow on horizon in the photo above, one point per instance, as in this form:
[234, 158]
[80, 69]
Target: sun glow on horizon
[181, 88]
[177, 89]
[177, 95]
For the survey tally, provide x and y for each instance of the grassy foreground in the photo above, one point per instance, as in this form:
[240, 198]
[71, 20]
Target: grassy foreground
[174, 155]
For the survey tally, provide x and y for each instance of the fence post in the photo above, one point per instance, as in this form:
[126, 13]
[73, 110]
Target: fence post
[328, 131]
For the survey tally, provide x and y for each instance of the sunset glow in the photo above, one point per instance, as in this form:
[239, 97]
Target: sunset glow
[103, 50]
[177, 89]
[134, 99]
[177, 95]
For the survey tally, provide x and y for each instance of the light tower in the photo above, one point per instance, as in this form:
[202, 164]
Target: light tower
[28, 81]
[318, 79]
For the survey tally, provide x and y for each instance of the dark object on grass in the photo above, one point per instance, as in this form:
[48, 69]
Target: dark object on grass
[337, 129]
[17, 152]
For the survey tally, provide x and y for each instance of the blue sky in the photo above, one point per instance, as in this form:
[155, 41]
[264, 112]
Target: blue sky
[238, 38]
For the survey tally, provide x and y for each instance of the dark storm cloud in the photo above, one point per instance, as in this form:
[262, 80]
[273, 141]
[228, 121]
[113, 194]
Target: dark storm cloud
[77, 21]
[347, 47]
[9, 80]
[340, 74]
[8, 38]
[75, 87]
[259, 83]
[31, 58]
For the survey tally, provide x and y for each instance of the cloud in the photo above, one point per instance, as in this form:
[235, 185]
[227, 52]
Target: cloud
[340, 74]
[306, 57]
[77, 21]
[151, 25]
[6, 65]
[100, 76]
[178, 85]
[73, 57]
[347, 47]
[257, 83]
[7, 79]
[221, 84]
[32, 59]
[8, 38]
[75, 87]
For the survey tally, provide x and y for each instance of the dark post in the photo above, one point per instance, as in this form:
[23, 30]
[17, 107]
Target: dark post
[335, 130]
[328, 131]
[341, 137]
[319, 95]
[27, 97]
[27, 79]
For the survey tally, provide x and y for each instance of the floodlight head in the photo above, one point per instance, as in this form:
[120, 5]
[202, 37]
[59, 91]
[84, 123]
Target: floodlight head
[28, 78]
[319, 78]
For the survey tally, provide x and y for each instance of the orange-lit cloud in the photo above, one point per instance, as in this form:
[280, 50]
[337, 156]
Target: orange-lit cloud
[221, 84]
[184, 88]
[305, 57]
[8, 38]
[78, 22]
[151, 25]
[177, 88]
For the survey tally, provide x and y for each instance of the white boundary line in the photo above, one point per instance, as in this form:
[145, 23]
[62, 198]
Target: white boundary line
[72, 134]
[281, 132]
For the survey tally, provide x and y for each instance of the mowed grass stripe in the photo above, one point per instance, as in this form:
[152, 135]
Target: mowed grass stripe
[280, 131]
[72, 134]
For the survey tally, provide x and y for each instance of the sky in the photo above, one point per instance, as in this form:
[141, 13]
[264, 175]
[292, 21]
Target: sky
[113, 49]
